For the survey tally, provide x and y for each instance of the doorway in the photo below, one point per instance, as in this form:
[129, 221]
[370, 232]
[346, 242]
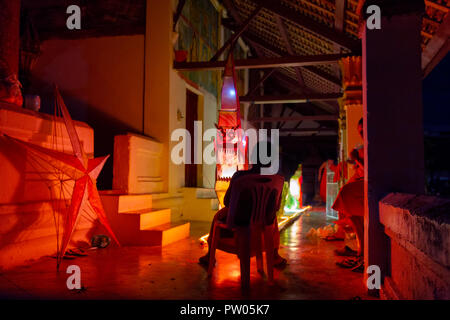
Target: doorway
[190, 172]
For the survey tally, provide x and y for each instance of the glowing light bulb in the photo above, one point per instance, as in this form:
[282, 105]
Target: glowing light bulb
[232, 92]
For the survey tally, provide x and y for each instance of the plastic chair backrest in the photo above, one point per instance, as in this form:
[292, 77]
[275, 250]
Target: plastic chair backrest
[254, 200]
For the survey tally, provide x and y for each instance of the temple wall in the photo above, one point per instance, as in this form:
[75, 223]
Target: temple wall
[178, 102]
[98, 78]
[419, 232]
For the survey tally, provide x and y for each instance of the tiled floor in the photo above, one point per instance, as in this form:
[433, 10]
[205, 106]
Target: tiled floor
[172, 272]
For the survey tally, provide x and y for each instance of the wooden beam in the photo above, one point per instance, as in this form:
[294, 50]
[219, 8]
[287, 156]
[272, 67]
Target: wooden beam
[437, 48]
[258, 42]
[292, 85]
[313, 26]
[290, 50]
[291, 98]
[177, 13]
[339, 15]
[267, 74]
[238, 33]
[280, 124]
[300, 118]
[312, 130]
[261, 63]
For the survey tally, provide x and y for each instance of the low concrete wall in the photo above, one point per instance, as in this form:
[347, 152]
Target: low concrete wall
[137, 164]
[419, 230]
[27, 209]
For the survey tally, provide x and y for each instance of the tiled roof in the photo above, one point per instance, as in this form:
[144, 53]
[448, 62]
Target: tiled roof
[304, 42]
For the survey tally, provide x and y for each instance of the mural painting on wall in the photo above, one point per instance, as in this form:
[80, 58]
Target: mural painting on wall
[198, 30]
[238, 53]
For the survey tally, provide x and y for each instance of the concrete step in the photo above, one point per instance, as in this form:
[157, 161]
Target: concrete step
[151, 217]
[127, 202]
[174, 201]
[135, 222]
[160, 235]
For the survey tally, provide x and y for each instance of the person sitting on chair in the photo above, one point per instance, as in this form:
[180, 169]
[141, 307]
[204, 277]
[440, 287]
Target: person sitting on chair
[221, 215]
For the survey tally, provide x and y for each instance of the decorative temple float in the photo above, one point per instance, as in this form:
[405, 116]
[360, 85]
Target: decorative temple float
[231, 145]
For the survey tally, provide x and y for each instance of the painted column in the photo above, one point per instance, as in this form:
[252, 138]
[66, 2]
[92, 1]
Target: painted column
[393, 130]
[9, 35]
[158, 64]
[9, 51]
[352, 103]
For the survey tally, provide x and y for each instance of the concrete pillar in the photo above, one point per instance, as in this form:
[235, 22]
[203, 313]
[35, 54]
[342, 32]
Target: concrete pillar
[158, 64]
[9, 52]
[393, 131]
[10, 34]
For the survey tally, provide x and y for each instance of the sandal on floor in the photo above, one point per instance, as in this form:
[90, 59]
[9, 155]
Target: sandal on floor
[281, 264]
[204, 260]
[78, 253]
[347, 263]
[346, 252]
[359, 268]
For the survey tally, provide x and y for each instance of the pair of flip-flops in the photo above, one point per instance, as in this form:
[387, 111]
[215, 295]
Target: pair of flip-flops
[356, 265]
[75, 253]
[346, 252]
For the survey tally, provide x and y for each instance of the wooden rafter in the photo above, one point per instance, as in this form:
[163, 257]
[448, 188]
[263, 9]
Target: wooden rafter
[267, 74]
[437, 48]
[292, 85]
[290, 50]
[280, 124]
[261, 63]
[238, 33]
[311, 130]
[312, 25]
[177, 13]
[291, 98]
[339, 15]
[298, 118]
[258, 42]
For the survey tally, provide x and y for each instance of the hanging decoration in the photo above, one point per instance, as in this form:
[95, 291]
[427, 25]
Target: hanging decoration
[230, 142]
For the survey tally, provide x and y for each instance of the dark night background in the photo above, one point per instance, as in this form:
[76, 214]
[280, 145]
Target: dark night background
[436, 103]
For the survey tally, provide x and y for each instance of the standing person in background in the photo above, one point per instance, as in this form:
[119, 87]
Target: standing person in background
[350, 206]
[323, 170]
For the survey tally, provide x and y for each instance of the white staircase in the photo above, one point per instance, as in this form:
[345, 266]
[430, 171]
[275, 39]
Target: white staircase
[135, 222]
[135, 209]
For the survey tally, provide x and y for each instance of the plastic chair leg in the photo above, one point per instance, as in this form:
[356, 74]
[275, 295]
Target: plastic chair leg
[259, 253]
[268, 241]
[212, 252]
[243, 237]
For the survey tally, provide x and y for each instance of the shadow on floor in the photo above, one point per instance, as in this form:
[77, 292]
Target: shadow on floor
[173, 273]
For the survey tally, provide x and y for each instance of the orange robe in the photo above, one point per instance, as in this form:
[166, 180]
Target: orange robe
[350, 199]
